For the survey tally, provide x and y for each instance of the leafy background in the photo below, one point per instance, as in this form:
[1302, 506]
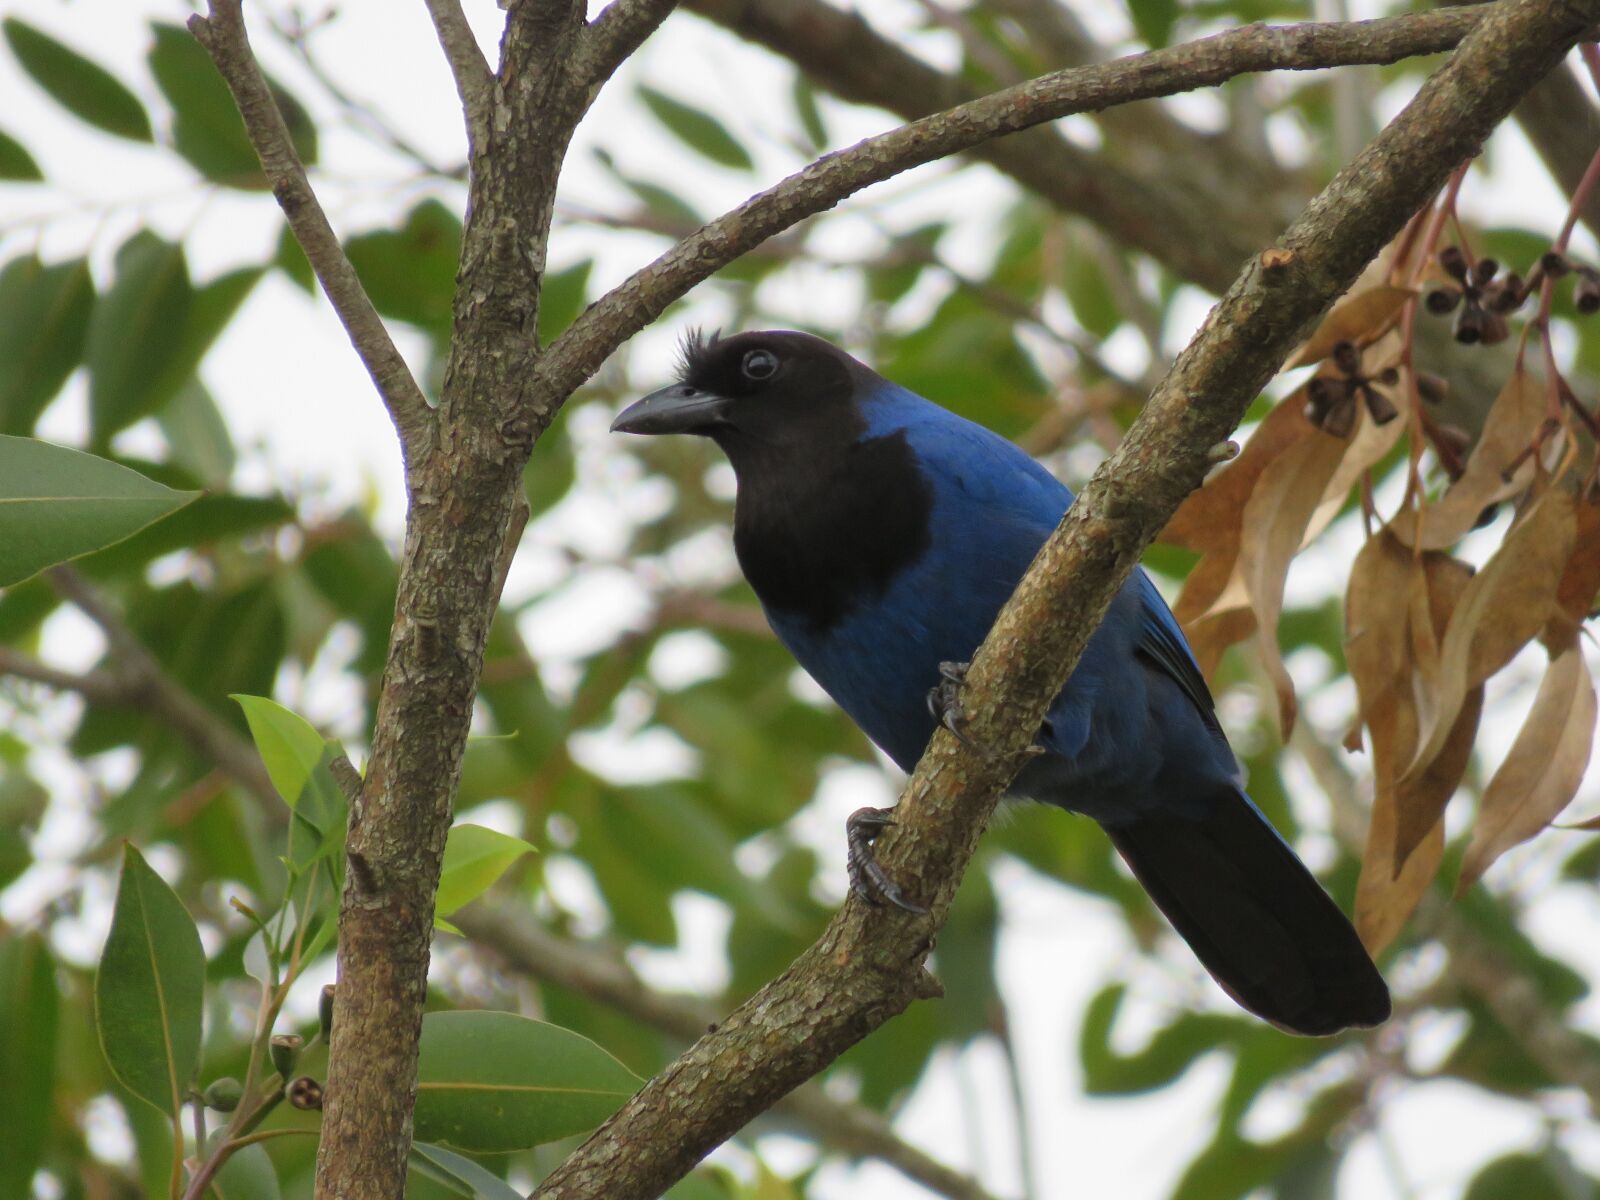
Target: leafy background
[684, 786]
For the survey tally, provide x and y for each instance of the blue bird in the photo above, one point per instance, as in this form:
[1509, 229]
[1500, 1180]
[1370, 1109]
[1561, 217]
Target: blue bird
[883, 533]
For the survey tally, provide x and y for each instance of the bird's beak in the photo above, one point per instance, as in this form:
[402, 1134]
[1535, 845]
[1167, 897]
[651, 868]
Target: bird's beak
[676, 409]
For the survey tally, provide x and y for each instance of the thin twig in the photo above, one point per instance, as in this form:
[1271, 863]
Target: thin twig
[637, 301]
[473, 76]
[528, 948]
[617, 32]
[223, 36]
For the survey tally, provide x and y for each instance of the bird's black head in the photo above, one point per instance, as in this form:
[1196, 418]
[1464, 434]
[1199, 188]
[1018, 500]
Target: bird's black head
[770, 388]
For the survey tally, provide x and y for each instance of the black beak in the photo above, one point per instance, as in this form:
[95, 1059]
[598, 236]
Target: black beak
[676, 409]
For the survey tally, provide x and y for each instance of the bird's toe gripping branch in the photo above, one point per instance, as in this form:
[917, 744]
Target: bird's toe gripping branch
[944, 701]
[867, 879]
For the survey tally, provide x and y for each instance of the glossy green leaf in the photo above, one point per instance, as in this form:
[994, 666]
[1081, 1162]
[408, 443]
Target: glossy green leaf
[83, 88]
[289, 745]
[210, 309]
[44, 312]
[197, 434]
[490, 1082]
[697, 129]
[460, 1174]
[15, 161]
[136, 333]
[1168, 1053]
[206, 127]
[30, 1010]
[149, 988]
[474, 857]
[247, 1175]
[57, 504]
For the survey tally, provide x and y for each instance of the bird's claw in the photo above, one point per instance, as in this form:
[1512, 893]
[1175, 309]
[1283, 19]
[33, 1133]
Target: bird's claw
[944, 701]
[867, 879]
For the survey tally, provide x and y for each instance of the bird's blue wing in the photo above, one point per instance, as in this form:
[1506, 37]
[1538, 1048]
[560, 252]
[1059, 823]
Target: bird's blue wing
[1161, 641]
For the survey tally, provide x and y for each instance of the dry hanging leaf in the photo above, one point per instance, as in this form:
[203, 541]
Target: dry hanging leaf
[1385, 901]
[1580, 581]
[1508, 430]
[1543, 769]
[1361, 317]
[1274, 526]
[1500, 610]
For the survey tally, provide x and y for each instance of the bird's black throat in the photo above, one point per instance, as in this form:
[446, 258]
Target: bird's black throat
[818, 531]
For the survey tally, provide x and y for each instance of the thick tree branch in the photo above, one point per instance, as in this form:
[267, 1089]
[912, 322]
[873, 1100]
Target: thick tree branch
[867, 966]
[633, 304]
[222, 33]
[617, 32]
[474, 79]
[525, 946]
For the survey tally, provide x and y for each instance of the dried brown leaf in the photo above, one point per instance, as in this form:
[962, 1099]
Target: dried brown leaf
[1543, 769]
[1208, 519]
[1361, 318]
[1507, 431]
[1580, 581]
[1276, 519]
[1499, 611]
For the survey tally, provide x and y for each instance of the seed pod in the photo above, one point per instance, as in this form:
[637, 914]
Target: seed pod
[1341, 418]
[1495, 329]
[1453, 438]
[1389, 376]
[1468, 328]
[1380, 406]
[223, 1095]
[1508, 296]
[1442, 300]
[1454, 262]
[1554, 264]
[1432, 388]
[1486, 270]
[1346, 357]
[305, 1094]
[285, 1049]
[1586, 296]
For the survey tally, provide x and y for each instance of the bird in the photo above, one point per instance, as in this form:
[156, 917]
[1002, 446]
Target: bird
[882, 533]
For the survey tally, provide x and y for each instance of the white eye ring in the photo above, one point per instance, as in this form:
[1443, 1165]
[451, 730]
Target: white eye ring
[759, 364]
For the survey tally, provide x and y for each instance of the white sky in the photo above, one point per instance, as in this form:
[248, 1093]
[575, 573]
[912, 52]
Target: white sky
[304, 416]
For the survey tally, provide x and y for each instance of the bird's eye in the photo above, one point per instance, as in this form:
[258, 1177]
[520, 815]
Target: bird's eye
[759, 364]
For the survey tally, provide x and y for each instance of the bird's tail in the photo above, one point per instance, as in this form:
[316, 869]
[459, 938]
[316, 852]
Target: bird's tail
[1254, 916]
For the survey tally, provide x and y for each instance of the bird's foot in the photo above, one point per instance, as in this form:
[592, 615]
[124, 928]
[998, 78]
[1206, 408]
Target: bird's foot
[944, 701]
[867, 879]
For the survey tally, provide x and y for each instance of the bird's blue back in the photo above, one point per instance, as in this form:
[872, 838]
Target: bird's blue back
[1125, 717]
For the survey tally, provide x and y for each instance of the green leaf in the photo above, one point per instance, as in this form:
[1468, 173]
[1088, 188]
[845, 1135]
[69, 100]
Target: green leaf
[206, 127]
[289, 745]
[491, 1082]
[474, 857]
[85, 89]
[29, 1008]
[56, 504]
[210, 309]
[15, 161]
[561, 299]
[44, 312]
[149, 989]
[1154, 19]
[247, 1175]
[805, 107]
[136, 333]
[697, 129]
[410, 272]
[1169, 1053]
[197, 435]
[460, 1174]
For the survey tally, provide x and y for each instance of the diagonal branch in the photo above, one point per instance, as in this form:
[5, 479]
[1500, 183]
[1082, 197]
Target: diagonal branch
[617, 32]
[474, 79]
[868, 965]
[637, 301]
[222, 34]
[528, 948]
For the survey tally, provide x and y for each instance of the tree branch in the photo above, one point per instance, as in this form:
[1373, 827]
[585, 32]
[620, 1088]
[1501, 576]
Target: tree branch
[617, 32]
[527, 947]
[867, 966]
[474, 79]
[637, 301]
[223, 36]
